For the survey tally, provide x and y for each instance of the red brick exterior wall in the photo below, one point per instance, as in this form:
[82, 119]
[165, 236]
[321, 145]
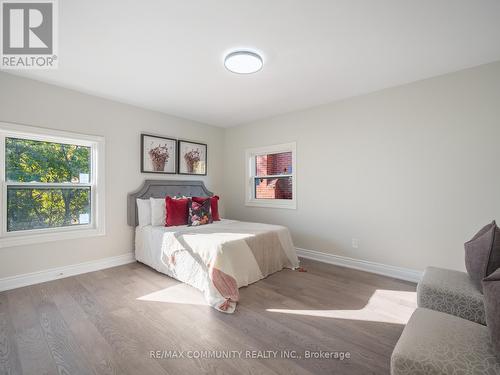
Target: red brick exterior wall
[274, 164]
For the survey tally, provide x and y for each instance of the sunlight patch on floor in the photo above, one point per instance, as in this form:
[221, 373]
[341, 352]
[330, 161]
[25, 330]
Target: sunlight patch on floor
[386, 306]
[180, 293]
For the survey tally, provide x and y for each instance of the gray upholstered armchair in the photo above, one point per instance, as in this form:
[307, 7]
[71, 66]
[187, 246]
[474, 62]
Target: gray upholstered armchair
[447, 333]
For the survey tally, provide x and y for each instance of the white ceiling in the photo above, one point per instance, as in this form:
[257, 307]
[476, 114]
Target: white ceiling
[167, 54]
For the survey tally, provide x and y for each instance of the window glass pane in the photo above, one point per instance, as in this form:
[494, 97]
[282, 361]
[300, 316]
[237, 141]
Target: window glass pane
[273, 188]
[37, 161]
[37, 208]
[273, 164]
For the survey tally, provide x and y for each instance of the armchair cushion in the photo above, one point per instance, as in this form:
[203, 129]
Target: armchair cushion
[451, 292]
[435, 343]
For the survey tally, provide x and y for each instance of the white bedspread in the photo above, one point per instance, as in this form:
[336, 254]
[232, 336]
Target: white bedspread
[217, 258]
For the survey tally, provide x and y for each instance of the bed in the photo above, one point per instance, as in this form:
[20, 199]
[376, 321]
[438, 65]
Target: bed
[217, 258]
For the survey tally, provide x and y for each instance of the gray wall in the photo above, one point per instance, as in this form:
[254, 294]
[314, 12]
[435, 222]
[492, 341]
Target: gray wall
[411, 171]
[30, 102]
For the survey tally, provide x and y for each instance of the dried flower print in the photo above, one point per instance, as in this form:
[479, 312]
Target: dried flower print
[192, 159]
[159, 157]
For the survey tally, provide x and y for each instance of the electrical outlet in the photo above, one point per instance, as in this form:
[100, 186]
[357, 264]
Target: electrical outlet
[355, 243]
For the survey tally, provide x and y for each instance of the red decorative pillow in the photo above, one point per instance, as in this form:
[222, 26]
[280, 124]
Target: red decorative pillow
[214, 205]
[177, 211]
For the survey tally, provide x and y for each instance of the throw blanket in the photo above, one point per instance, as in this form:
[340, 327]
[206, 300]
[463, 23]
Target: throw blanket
[231, 254]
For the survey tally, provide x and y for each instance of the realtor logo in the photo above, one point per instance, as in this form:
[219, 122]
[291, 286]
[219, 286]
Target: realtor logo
[29, 34]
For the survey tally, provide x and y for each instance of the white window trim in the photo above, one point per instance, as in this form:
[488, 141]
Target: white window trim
[250, 174]
[97, 226]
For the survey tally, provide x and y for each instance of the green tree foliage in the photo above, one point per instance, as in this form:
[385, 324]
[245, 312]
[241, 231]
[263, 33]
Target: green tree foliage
[46, 162]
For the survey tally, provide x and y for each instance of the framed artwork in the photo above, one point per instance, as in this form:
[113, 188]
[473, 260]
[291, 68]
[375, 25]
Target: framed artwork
[192, 158]
[158, 154]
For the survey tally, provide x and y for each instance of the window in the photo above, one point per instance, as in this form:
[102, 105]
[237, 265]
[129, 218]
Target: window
[271, 176]
[52, 185]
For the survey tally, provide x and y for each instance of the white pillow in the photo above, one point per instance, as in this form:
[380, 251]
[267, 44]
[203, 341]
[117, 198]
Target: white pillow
[158, 211]
[144, 212]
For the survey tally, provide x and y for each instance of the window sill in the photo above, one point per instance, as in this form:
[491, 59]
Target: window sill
[20, 239]
[291, 205]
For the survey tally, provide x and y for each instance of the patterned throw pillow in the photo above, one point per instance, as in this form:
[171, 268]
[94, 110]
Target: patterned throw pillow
[214, 205]
[199, 213]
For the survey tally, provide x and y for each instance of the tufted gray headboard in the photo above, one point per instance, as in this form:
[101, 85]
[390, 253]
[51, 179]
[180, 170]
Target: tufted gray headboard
[160, 189]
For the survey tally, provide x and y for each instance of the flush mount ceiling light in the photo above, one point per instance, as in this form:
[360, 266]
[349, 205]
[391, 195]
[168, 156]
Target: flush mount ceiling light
[243, 62]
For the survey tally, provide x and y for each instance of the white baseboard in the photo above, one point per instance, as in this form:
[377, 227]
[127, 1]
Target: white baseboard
[26, 279]
[18, 281]
[363, 265]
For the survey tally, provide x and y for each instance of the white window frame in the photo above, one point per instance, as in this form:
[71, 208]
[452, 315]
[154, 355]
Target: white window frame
[96, 184]
[250, 176]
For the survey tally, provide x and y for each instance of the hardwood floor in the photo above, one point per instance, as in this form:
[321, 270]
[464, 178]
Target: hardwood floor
[100, 323]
